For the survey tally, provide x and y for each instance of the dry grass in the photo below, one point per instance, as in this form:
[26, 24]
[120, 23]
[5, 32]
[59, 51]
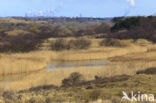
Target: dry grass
[15, 66]
[99, 91]
[36, 60]
[22, 63]
[56, 76]
[125, 60]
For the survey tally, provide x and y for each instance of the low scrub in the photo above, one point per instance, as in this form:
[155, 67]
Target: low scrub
[111, 42]
[9, 97]
[62, 44]
[147, 71]
[80, 43]
[74, 79]
[100, 80]
[59, 44]
[22, 43]
[43, 87]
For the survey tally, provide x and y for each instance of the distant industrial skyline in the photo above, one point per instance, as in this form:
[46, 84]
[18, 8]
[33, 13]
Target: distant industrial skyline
[79, 8]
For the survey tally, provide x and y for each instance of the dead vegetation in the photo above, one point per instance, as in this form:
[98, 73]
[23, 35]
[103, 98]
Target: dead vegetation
[112, 43]
[62, 44]
[100, 90]
[151, 71]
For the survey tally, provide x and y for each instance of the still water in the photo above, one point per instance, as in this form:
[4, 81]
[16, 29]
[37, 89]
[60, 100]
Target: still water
[4, 80]
[66, 65]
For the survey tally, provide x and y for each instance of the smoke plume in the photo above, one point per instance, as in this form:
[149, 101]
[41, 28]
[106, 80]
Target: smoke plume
[129, 7]
[131, 2]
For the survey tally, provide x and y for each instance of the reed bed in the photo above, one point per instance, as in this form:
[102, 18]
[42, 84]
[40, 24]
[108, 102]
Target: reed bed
[121, 60]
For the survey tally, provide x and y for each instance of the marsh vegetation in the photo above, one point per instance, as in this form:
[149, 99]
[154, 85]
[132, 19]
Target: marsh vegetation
[28, 47]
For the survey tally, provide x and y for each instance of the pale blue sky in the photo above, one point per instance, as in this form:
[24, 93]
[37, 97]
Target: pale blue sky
[87, 8]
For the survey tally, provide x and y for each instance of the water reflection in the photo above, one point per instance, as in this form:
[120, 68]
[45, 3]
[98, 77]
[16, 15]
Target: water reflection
[72, 64]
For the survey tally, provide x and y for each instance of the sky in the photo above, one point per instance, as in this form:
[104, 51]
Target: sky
[73, 8]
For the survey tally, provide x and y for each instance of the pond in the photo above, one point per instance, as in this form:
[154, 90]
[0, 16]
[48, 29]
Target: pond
[74, 64]
[5, 80]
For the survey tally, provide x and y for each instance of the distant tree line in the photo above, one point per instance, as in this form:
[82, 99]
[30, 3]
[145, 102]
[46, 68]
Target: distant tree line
[33, 32]
[134, 28]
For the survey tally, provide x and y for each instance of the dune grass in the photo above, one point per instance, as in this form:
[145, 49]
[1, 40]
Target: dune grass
[11, 64]
[121, 60]
[55, 77]
[109, 92]
[14, 63]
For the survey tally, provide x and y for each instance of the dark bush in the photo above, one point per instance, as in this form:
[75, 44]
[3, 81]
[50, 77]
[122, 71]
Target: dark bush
[111, 42]
[134, 28]
[117, 19]
[74, 79]
[80, 43]
[24, 43]
[106, 80]
[59, 44]
[21, 43]
[127, 23]
[43, 87]
[97, 77]
[147, 71]
[9, 96]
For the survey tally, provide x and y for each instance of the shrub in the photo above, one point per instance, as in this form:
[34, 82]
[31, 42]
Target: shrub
[147, 71]
[111, 42]
[24, 43]
[59, 44]
[97, 77]
[126, 24]
[43, 87]
[73, 79]
[21, 43]
[80, 43]
[9, 96]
